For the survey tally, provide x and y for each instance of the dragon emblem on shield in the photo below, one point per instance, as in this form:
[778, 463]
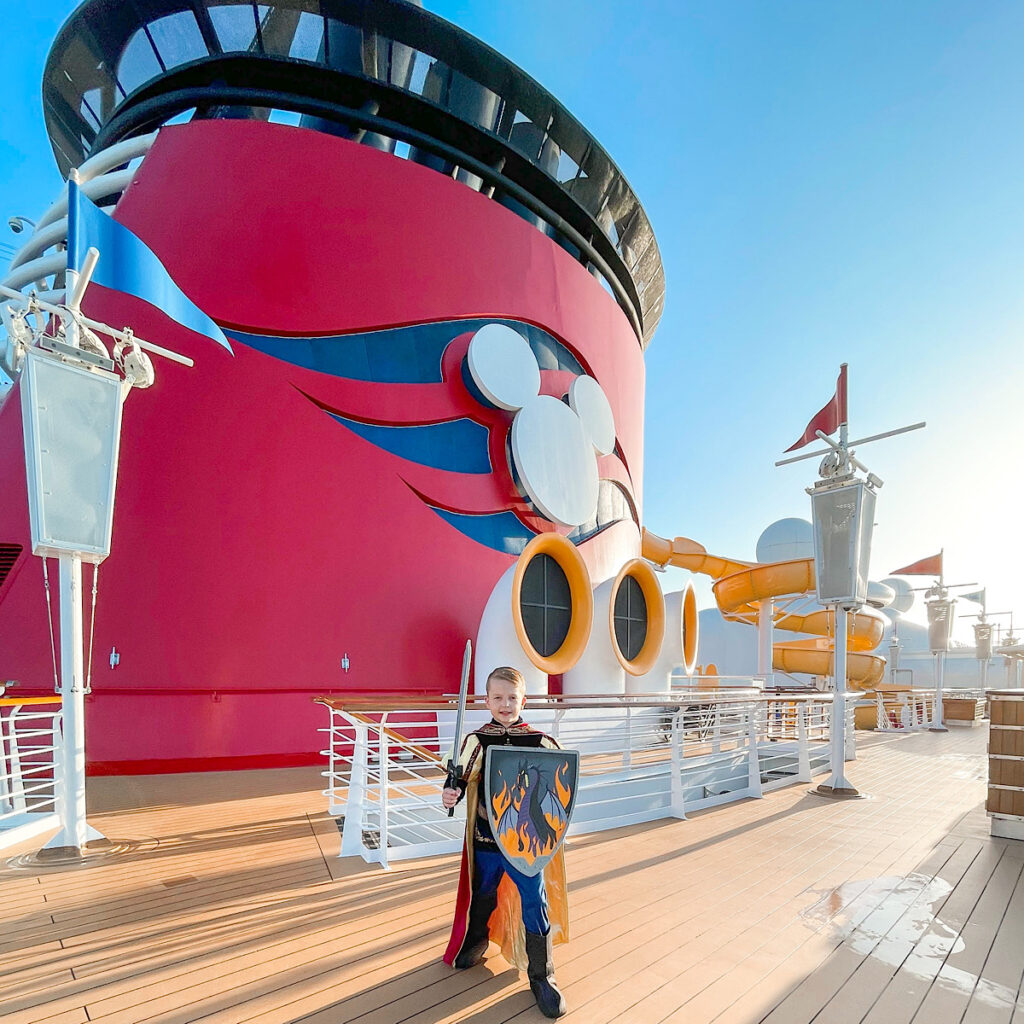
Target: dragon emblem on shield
[530, 794]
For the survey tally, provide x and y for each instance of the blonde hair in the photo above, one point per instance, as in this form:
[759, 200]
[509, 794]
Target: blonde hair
[507, 674]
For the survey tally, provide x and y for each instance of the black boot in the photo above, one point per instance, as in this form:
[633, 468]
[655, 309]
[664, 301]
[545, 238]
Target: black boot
[541, 973]
[474, 945]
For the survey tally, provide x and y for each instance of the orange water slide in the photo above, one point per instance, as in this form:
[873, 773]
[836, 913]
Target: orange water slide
[740, 586]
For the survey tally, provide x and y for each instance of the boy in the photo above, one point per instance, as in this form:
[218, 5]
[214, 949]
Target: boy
[487, 906]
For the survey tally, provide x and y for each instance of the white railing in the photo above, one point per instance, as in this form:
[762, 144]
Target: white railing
[679, 680]
[904, 710]
[30, 746]
[642, 758]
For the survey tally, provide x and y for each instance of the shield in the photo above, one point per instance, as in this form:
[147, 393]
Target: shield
[530, 793]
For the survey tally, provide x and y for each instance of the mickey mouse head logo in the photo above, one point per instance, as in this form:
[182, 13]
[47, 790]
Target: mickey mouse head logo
[552, 443]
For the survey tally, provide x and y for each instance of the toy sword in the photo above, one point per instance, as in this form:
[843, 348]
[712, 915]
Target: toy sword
[453, 764]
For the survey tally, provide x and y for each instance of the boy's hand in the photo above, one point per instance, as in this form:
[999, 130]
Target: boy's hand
[449, 798]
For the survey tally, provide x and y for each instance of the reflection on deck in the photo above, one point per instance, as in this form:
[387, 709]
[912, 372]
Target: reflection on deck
[228, 903]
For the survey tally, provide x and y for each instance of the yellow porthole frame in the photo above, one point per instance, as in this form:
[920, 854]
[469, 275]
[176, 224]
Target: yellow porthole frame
[642, 572]
[570, 561]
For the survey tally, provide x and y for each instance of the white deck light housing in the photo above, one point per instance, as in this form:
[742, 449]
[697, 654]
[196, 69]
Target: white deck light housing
[844, 514]
[72, 425]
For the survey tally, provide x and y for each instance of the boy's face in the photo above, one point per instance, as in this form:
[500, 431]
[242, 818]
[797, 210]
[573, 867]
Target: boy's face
[505, 700]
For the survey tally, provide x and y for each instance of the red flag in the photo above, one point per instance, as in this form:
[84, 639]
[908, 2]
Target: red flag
[930, 566]
[830, 417]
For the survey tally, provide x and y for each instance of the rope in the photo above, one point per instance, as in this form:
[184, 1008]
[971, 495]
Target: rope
[49, 622]
[92, 629]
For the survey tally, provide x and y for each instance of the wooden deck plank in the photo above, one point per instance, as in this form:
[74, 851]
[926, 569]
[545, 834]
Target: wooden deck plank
[318, 963]
[578, 921]
[610, 1010]
[1001, 975]
[694, 920]
[709, 991]
[961, 972]
[916, 973]
[232, 911]
[880, 945]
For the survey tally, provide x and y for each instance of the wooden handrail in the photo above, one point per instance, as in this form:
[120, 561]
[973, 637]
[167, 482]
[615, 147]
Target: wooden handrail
[557, 702]
[427, 755]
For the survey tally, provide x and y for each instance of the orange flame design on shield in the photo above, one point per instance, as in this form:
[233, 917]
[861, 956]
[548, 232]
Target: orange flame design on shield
[517, 843]
[564, 794]
[500, 802]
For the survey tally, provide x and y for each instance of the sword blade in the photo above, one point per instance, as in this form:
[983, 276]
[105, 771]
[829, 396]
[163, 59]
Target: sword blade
[467, 660]
[453, 763]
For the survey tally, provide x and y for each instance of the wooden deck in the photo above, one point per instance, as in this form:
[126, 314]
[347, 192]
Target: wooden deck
[224, 903]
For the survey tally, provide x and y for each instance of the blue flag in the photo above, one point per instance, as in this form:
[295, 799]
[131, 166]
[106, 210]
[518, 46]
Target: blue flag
[127, 264]
[977, 596]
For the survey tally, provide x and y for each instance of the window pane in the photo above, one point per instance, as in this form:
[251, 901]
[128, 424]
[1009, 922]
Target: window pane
[235, 25]
[178, 39]
[630, 618]
[138, 63]
[546, 604]
[308, 41]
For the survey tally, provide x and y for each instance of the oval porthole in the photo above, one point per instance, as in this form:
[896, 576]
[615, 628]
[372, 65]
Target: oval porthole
[636, 615]
[552, 603]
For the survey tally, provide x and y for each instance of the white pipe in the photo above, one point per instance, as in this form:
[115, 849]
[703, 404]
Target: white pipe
[82, 278]
[598, 670]
[40, 241]
[96, 188]
[36, 269]
[938, 714]
[838, 784]
[498, 644]
[765, 630]
[673, 653]
[73, 833]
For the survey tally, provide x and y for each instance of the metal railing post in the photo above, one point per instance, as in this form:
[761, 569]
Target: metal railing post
[332, 764]
[677, 792]
[627, 754]
[355, 809]
[384, 763]
[803, 745]
[17, 786]
[851, 737]
[753, 754]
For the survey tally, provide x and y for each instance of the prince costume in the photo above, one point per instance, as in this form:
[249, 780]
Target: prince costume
[524, 915]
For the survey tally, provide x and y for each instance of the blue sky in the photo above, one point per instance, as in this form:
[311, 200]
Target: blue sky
[828, 182]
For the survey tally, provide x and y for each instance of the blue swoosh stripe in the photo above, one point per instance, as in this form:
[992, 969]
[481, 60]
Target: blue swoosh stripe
[398, 355]
[459, 446]
[500, 531]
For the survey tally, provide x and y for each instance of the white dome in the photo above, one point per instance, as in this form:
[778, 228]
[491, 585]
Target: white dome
[904, 599]
[786, 539]
[880, 595]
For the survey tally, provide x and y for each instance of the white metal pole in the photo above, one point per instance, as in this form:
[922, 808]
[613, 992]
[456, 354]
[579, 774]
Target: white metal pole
[765, 628]
[73, 834]
[940, 666]
[838, 784]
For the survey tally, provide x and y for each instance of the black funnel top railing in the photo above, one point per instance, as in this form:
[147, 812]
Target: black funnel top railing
[384, 73]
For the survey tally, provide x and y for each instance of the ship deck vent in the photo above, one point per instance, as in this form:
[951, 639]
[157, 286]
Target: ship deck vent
[8, 556]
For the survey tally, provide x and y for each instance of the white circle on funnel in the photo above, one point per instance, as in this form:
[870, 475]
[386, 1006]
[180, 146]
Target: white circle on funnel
[590, 403]
[554, 460]
[503, 366]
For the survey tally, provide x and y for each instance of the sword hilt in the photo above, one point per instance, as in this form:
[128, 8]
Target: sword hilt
[452, 782]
